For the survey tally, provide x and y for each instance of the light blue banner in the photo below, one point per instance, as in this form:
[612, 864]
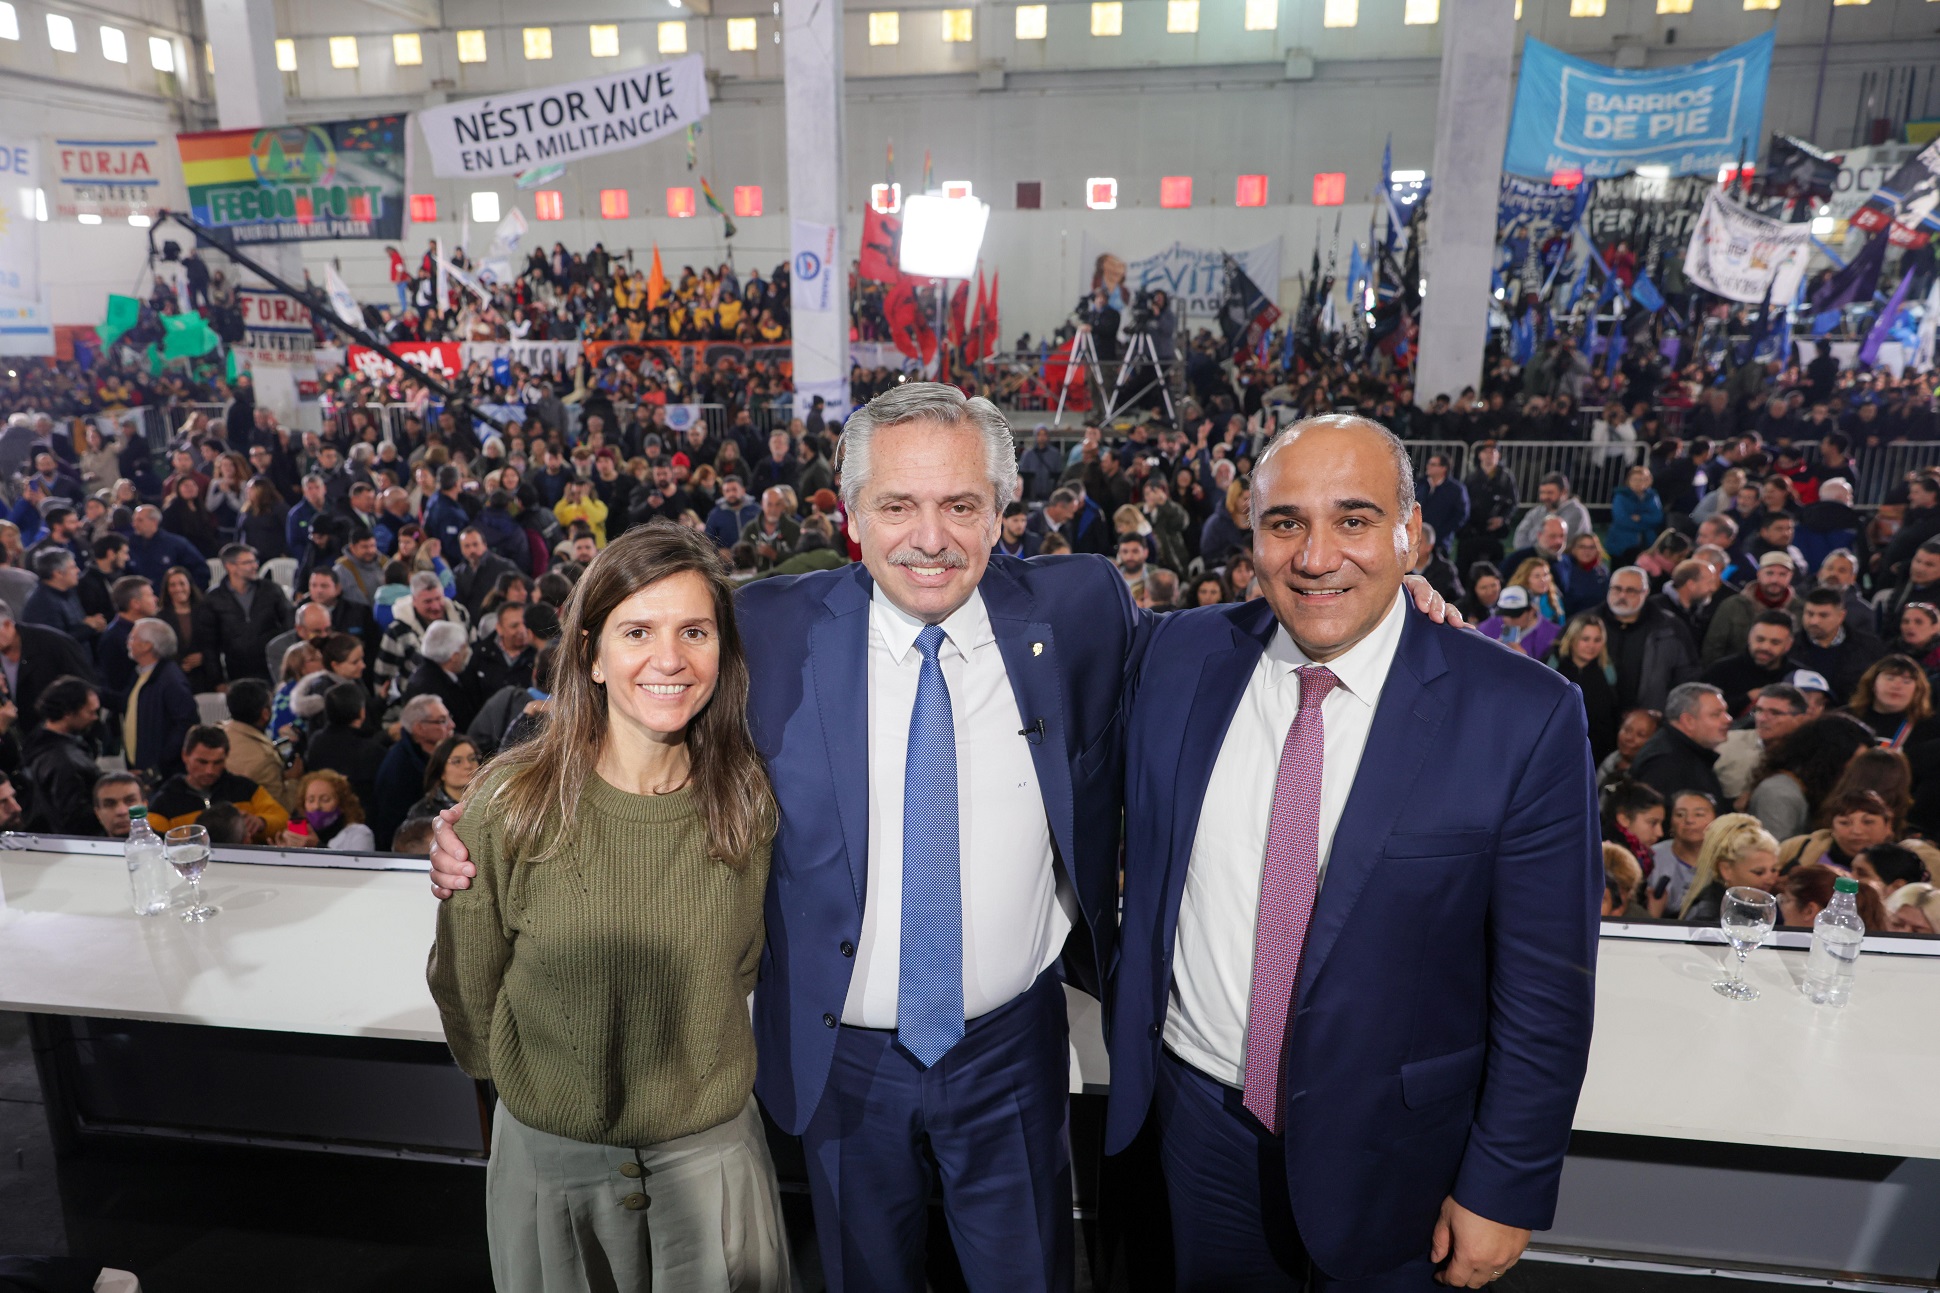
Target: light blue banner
[1574, 114]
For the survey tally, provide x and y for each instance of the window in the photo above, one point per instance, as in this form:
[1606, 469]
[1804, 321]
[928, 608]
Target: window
[1181, 17]
[9, 23]
[208, 57]
[1840, 4]
[60, 33]
[114, 44]
[1518, 10]
[1030, 195]
[885, 28]
[548, 204]
[886, 198]
[1426, 13]
[1250, 191]
[1341, 13]
[747, 200]
[471, 46]
[1760, 4]
[1262, 15]
[285, 54]
[343, 51]
[957, 26]
[485, 207]
[741, 34]
[613, 204]
[1108, 19]
[538, 43]
[1587, 8]
[1673, 6]
[673, 38]
[1032, 20]
[605, 38]
[1175, 192]
[407, 49]
[1101, 194]
[424, 208]
[1330, 188]
[680, 203]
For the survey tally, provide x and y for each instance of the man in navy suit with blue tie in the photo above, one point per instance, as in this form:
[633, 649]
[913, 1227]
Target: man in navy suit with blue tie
[1362, 882]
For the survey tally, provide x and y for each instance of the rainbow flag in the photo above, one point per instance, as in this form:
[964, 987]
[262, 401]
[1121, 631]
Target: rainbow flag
[341, 179]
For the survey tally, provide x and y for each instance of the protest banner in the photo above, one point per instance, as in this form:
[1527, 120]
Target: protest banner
[110, 178]
[1861, 174]
[1907, 203]
[329, 180]
[1746, 257]
[26, 329]
[504, 134]
[1572, 114]
[1525, 204]
[551, 358]
[278, 333]
[439, 358]
[1194, 277]
[19, 229]
[815, 259]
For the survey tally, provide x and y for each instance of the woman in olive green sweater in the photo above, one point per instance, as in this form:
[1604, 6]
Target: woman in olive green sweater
[598, 968]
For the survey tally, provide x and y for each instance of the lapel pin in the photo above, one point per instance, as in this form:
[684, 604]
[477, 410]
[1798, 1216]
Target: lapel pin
[1037, 648]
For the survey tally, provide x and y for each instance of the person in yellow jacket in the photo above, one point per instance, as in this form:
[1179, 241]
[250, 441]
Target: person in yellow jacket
[205, 782]
[582, 504]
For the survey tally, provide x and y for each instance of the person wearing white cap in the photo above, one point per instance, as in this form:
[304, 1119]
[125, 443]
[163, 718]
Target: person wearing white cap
[1816, 690]
[1517, 623]
[1771, 591]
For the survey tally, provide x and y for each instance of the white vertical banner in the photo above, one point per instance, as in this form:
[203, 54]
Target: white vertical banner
[813, 263]
[19, 224]
[812, 93]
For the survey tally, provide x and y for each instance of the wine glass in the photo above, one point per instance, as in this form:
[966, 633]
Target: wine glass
[187, 848]
[1747, 915]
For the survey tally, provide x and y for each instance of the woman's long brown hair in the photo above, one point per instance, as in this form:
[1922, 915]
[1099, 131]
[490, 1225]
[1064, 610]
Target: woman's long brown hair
[545, 777]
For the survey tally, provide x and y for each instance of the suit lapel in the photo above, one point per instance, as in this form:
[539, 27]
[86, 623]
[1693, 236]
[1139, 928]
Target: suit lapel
[1404, 730]
[1030, 652]
[839, 656]
[1223, 677]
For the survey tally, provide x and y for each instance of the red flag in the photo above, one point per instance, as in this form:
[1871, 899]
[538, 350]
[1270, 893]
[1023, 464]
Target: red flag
[975, 342]
[993, 331]
[959, 303]
[882, 237]
[908, 327]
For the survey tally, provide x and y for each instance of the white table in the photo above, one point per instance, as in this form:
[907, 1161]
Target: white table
[342, 952]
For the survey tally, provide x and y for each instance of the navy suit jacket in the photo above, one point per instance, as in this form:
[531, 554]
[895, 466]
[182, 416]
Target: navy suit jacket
[1442, 1024]
[1069, 635]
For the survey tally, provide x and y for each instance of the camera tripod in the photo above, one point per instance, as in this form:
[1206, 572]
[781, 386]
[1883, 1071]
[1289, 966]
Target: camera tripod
[1084, 351]
[1144, 348]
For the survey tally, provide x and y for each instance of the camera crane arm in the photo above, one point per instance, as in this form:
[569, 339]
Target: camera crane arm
[318, 304]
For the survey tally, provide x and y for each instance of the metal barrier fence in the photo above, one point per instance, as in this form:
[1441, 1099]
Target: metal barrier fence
[1880, 469]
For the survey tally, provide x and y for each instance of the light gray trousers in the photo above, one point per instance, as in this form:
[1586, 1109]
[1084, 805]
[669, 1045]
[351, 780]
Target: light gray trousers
[700, 1214]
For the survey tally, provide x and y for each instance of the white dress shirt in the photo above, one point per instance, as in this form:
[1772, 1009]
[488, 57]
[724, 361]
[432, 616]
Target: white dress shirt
[1015, 911]
[1212, 952]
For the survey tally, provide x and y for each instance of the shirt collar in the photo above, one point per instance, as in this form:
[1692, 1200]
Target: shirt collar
[967, 628]
[1361, 669]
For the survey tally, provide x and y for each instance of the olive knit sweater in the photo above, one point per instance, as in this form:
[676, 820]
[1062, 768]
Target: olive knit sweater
[605, 988]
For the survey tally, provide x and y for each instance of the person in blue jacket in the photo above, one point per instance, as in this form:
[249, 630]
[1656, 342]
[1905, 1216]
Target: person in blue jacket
[1636, 516]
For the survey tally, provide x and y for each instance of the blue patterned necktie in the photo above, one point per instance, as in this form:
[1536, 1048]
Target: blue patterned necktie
[929, 992]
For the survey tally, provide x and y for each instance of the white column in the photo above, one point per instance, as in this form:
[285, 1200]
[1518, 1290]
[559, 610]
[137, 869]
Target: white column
[1471, 128]
[811, 44]
[249, 94]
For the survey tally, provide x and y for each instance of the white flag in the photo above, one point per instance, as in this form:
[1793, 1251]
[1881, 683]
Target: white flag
[510, 232]
[1929, 322]
[342, 303]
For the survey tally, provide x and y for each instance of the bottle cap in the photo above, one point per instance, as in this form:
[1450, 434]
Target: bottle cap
[1845, 884]
[138, 810]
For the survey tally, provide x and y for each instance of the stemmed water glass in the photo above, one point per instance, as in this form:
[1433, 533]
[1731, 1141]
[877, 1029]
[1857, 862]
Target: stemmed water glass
[1747, 915]
[187, 848]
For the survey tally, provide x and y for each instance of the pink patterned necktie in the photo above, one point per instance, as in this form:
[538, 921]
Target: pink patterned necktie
[1288, 883]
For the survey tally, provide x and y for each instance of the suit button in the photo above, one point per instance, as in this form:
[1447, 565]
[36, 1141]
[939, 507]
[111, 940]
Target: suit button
[1156, 1030]
[630, 1170]
[828, 1021]
[634, 1202]
[848, 948]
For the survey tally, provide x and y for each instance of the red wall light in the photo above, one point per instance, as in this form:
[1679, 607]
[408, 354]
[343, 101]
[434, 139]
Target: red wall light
[1250, 191]
[1175, 192]
[747, 200]
[424, 208]
[613, 204]
[547, 204]
[680, 203]
[1330, 188]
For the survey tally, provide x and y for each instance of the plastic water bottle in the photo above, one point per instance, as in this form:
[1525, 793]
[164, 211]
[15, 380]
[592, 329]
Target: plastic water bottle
[1836, 935]
[148, 871]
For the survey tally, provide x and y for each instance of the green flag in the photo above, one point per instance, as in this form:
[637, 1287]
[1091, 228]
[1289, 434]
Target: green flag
[123, 313]
[186, 335]
[154, 361]
[229, 369]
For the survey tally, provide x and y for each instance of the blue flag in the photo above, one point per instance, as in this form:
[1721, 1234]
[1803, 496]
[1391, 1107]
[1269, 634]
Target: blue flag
[1883, 329]
[1646, 294]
